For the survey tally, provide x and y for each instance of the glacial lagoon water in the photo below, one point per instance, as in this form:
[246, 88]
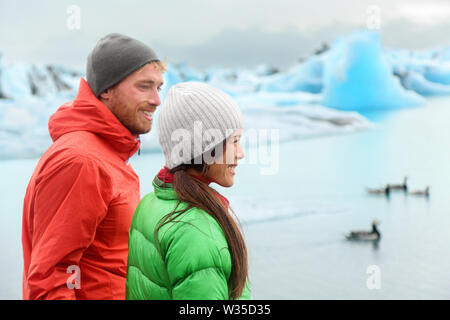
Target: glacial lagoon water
[294, 220]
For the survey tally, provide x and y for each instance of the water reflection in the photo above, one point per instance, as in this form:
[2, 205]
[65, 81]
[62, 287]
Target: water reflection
[375, 244]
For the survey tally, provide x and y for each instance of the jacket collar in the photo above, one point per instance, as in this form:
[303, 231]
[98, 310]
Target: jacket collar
[87, 113]
[164, 190]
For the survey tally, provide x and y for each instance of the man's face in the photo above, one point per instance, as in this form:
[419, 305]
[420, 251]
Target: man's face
[134, 100]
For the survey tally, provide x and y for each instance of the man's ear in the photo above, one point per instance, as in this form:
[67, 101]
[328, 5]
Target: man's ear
[106, 95]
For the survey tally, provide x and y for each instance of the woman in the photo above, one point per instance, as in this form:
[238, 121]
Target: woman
[184, 244]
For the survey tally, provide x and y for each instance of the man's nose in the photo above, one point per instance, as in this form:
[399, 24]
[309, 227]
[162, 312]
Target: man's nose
[154, 99]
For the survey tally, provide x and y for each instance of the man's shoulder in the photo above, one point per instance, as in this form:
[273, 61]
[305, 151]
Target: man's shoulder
[79, 146]
[81, 140]
[66, 164]
[72, 150]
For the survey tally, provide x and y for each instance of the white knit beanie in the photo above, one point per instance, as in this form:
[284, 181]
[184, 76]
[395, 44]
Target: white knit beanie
[194, 119]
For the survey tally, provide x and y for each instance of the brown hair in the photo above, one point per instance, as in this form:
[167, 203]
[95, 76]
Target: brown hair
[200, 195]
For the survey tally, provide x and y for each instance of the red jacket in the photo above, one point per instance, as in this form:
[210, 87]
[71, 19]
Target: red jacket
[79, 204]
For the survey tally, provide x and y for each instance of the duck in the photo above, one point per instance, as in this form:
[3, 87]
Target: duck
[425, 192]
[386, 190]
[372, 235]
[403, 186]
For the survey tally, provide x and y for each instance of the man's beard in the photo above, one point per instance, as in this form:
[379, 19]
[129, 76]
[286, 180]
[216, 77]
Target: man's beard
[127, 120]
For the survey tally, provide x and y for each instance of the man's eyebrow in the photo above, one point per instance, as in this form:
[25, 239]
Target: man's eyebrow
[149, 82]
[146, 81]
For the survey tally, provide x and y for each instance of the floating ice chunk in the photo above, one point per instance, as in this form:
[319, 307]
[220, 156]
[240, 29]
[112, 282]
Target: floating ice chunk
[306, 76]
[280, 99]
[415, 81]
[233, 81]
[426, 72]
[357, 76]
[265, 70]
[187, 73]
[403, 61]
[438, 73]
[302, 121]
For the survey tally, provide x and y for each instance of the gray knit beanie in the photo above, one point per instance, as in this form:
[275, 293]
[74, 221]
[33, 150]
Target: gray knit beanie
[194, 119]
[115, 57]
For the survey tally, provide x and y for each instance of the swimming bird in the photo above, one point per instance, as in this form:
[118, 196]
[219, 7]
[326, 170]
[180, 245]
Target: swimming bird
[372, 235]
[386, 190]
[403, 186]
[425, 192]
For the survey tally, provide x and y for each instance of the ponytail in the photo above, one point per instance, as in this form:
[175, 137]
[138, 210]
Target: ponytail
[200, 195]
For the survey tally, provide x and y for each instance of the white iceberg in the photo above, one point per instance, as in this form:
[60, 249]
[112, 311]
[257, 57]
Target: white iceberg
[20, 81]
[306, 76]
[280, 99]
[233, 81]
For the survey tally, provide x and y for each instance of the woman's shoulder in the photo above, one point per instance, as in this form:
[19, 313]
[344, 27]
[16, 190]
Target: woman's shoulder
[153, 207]
[198, 238]
[195, 222]
[173, 216]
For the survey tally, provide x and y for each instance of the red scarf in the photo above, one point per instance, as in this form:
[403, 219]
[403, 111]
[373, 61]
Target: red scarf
[167, 177]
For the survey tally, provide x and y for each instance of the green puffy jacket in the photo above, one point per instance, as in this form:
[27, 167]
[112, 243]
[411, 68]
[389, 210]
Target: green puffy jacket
[189, 260]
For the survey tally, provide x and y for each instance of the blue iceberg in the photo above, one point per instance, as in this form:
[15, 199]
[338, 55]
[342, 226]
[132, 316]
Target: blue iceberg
[358, 76]
[170, 77]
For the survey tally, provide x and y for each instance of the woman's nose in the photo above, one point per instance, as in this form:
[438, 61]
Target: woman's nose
[240, 152]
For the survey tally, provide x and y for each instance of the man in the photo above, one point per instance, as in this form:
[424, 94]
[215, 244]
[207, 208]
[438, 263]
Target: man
[82, 195]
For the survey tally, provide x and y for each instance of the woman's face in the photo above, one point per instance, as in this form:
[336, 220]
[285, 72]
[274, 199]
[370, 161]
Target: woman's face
[222, 171]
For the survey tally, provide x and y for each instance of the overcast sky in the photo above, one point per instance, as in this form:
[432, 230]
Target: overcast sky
[213, 32]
